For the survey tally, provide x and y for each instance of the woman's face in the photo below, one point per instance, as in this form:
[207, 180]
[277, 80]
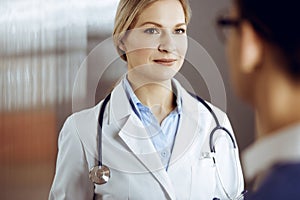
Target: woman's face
[156, 46]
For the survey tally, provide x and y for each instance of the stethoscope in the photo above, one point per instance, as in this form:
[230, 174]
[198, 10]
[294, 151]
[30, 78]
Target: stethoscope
[100, 174]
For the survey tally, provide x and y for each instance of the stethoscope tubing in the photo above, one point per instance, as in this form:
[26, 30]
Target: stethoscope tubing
[218, 126]
[211, 146]
[211, 137]
[100, 125]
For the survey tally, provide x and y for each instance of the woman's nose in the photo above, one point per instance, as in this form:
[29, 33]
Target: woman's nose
[167, 43]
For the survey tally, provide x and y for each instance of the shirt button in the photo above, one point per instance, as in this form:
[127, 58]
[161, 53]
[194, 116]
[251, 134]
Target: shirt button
[164, 154]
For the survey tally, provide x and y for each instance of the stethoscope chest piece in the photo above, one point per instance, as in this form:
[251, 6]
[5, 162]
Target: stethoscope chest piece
[99, 174]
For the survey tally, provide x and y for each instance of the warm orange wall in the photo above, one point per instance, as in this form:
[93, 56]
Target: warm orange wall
[28, 145]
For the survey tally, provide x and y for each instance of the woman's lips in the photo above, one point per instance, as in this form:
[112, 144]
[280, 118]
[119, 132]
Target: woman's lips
[166, 62]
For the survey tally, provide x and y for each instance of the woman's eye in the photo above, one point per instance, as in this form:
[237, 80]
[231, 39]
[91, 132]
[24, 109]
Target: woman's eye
[180, 31]
[152, 31]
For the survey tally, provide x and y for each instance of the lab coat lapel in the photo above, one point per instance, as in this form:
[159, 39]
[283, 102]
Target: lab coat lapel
[137, 139]
[135, 136]
[193, 128]
[187, 131]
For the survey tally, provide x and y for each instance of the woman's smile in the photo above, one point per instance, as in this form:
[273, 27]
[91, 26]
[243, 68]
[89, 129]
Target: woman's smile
[165, 61]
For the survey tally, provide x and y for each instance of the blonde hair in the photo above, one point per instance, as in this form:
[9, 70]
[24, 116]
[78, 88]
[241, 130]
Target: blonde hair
[127, 14]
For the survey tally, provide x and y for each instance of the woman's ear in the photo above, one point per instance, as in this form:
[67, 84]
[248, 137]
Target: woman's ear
[251, 48]
[122, 46]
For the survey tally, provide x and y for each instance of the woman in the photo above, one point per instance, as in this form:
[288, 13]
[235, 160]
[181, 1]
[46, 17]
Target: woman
[264, 54]
[155, 135]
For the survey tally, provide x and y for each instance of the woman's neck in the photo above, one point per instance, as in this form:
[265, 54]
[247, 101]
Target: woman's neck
[157, 96]
[278, 105]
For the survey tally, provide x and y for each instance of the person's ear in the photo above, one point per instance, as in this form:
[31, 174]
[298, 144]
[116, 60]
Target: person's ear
[122, 45]
[251, 48]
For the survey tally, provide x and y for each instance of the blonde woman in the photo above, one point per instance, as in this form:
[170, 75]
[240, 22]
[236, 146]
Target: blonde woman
[149, 139]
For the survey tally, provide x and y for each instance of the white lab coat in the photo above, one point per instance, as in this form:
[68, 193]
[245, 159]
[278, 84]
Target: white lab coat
[136, 169]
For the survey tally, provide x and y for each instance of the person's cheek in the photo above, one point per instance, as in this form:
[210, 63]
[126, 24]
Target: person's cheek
[182, 46]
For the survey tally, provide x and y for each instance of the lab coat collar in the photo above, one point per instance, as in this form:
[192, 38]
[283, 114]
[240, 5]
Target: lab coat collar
[188, 127]
[283, 146]
[120, 105]
[135, 136]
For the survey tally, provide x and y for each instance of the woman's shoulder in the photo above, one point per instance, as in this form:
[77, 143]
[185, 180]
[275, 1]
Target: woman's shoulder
[86, 113]
[80, 128]
[79, 122]
[193, 101]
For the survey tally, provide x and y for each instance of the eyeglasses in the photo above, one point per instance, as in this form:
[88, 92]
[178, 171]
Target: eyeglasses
[223, 25]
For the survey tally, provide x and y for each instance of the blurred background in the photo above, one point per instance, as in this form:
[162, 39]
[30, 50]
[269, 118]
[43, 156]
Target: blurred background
[46, 75]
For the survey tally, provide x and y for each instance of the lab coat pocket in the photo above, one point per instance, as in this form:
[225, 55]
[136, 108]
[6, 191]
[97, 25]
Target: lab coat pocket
[203, 179]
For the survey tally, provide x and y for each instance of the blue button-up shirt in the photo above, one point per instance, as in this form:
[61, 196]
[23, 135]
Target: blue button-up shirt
[162, 135]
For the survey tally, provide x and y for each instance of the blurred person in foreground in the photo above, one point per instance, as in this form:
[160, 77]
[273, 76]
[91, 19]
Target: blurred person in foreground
[263, 49]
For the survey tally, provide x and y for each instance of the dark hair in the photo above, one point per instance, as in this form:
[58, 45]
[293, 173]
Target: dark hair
[277, 22]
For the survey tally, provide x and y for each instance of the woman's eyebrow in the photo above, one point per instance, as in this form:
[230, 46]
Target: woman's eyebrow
[151, 23]
[180, 24]
[159, 25]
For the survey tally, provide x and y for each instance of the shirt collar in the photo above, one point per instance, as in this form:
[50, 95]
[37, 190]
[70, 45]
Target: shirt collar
[282, 146]
[133, 100]
[136, 103]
